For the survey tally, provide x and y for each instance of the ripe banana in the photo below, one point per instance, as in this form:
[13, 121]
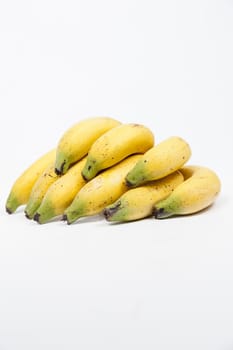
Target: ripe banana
[61, 193]
[101, 191]
[21, 189]
[197, 192]
[115, 145]
[159, 161]
[138, 203]
[47, 178]
[77, 140]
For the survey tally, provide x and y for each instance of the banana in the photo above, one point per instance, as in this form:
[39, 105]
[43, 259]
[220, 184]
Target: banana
[77, 140]
[159, 161]
[21, 189]
[47, 178]
[115, 145]
[101, 191]
[61, 193]
[138, 203]
[197, 192]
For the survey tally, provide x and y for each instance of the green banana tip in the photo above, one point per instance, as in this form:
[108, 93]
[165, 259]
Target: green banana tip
[85, 177]
[161, 213]
[90, 169]
[27, 215]
[128, 183]
[9, 211]
[12, 203]
[89, 172]
[65, 218]
[62, 168]
[157, 213]
[109, 212]
[58, 171]
[36, 217]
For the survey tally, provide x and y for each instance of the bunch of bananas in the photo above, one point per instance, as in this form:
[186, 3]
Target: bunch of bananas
[101, 165]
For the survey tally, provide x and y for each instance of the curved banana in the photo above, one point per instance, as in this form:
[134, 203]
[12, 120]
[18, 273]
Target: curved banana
[101, 191]
[115, 145]
[21, 189]
[159, 161]
[61, 194]
[138, 203]
[77, 140]
[47, 178]
[197, 192]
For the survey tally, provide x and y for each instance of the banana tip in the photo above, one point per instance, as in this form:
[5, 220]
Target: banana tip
[65, 218]
[107, 214]
[84, 176]
[8, 210]
[128, 183]
[58, 171]
[162, 213]
[27, 215]
[37, 217]
[110, 211]
[158, 213]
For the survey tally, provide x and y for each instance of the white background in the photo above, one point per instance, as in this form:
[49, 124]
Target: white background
[145, 285]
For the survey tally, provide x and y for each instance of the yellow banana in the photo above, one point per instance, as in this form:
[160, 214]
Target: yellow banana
[47, 178]
[115, 145]
[197, 192]
[77, 140]
[21, 189]
[61, 193]
[101, 191]
[138, 203]
[159, 161]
